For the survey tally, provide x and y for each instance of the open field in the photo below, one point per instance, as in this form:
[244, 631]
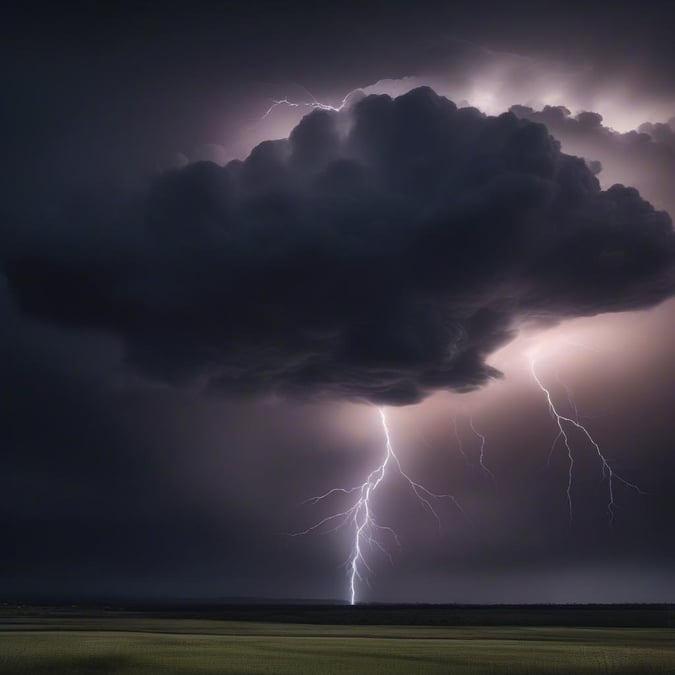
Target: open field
[141, 645]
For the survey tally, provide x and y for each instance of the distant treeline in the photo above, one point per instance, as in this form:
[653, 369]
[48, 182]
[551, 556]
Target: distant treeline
[368, 614]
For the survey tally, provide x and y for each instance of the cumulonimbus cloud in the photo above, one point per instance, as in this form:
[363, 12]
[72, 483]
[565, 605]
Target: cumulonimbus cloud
[379, 253]
[645, 155]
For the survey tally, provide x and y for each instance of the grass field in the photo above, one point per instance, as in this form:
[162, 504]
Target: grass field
[143, 646]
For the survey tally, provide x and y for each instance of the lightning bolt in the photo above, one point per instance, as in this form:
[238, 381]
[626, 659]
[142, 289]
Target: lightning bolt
[565, 424]
[368, 533]
[481, 438]
[312, 104]
[481, 455]
[458, 439]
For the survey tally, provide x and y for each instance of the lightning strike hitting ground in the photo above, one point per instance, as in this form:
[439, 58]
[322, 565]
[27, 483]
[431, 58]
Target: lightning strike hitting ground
[367, 532]
[565, 424]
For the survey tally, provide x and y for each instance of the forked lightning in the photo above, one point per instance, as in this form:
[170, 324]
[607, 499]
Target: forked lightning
[368, 534]
[566, 424]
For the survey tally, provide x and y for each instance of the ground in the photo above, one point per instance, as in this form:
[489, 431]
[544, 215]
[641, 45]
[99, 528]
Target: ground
[129, 643]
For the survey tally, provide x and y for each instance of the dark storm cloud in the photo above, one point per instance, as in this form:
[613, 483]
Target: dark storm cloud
[379, 263]
[646, 155]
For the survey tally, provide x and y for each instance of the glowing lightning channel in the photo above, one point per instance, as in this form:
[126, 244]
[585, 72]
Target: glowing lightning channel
[458, 438]
[360, 515]
[481, 456]
[313, 104]
[564, 423]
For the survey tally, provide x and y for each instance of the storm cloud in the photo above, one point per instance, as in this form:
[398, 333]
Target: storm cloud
[645, 156]
[378, 254]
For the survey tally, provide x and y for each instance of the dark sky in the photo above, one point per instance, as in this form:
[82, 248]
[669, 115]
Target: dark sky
[199, 324]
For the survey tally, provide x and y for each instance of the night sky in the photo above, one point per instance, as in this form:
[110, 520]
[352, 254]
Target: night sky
[231, 232]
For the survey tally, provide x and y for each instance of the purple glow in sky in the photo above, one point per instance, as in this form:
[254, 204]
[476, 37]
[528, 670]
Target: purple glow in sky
[231, 236]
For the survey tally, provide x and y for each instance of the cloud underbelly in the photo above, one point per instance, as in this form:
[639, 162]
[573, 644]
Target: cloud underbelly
[380, 263]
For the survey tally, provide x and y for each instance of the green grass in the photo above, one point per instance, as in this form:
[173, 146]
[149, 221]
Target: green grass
[139, 647]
